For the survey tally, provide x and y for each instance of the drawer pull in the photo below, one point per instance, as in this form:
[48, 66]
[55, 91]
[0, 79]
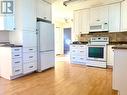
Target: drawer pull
[17, 70]
[81, 58]
[30, 56]
[17, 55]
[30, 49]
[17, 62]
[73, 57]
[16, 49]
[81, 51]
[31, 66]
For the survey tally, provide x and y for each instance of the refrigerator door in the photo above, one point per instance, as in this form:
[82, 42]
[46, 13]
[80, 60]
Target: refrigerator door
[47, 60]
[46, 36]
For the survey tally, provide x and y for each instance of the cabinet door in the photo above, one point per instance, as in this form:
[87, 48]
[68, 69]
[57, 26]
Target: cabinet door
[29, 39]
[85, 21]
[77, 22]
[99, 15]
[7, 22]
[44, 10]
[124, 16]
[26, 15]
[114, 17]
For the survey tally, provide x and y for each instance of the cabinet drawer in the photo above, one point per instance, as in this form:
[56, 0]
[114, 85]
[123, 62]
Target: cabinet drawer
[17, 55]
[82, 47]
[82, 52]
[28, 57]
[16, 50]
[74, 58]
[73, 51]
[73, 46]
[29, 67]
[17, 62]
[81, 59]
[31, 49]
[17, 70]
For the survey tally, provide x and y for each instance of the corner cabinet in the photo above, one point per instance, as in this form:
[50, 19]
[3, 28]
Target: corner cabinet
[124, 16]
[44, 10]
[81, 21]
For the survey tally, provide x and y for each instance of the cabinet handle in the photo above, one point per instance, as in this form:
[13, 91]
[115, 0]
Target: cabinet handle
[31, 66]
[30, 49]
[30, 56]
[97, 20]
[17, 55]
[17, 62]
[14, 28]
[73, 57]
[81, 51]
[17, 70]
[45, 17]
[81, 58]
[17, 49]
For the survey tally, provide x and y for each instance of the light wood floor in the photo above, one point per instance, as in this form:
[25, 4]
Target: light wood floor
[64, 79]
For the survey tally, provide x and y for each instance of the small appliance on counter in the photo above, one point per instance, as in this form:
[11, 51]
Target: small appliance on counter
[97, 52]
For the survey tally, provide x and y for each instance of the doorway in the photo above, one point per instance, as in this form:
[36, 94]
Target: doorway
[67, 40]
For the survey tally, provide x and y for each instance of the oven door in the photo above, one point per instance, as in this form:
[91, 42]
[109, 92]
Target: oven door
[96, 52]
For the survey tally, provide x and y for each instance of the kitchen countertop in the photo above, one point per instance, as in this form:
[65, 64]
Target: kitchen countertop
[10, 45]
[123, 46]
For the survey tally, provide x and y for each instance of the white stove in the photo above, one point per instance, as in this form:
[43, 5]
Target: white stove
[97, 52]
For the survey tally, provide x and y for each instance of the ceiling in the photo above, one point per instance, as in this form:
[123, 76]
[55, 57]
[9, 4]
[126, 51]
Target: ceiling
[61, 12]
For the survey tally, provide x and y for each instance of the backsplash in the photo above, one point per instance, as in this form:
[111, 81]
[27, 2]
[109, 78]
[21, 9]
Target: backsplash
[4, 36]
[114, 36]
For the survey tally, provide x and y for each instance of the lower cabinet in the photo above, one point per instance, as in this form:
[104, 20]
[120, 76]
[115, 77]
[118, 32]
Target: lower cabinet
[29, 60]
[11, 62]
[78, 54]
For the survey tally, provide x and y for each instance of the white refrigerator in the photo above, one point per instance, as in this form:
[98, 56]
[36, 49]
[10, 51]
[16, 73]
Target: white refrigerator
[46, 50]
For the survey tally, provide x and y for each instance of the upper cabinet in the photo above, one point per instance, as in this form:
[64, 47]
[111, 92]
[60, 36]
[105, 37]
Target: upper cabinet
[44, 10]
[81, 21]
[99, 15]
[124, 16]
[7, 15]
[25, 15]
[114, 17]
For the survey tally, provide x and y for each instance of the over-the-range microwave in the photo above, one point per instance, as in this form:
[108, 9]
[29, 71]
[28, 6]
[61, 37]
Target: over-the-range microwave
[99, 27]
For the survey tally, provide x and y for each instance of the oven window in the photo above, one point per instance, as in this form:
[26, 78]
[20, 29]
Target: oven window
[96, 52]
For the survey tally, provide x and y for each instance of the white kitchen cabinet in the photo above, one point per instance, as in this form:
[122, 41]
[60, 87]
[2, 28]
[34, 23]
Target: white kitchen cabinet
[114, 17]
[110, 55]
[81, 21]
[78, 54]
[119, 71]
[124, 16]
[23, 18]
[44, 10]
[11, 62]
[7, 22]
[99, 15]
[25, 15]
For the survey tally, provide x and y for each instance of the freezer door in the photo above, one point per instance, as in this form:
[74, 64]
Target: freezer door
[47, 60]
[46, 36]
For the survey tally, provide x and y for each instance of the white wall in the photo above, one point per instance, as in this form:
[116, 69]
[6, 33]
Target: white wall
[4, 36]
